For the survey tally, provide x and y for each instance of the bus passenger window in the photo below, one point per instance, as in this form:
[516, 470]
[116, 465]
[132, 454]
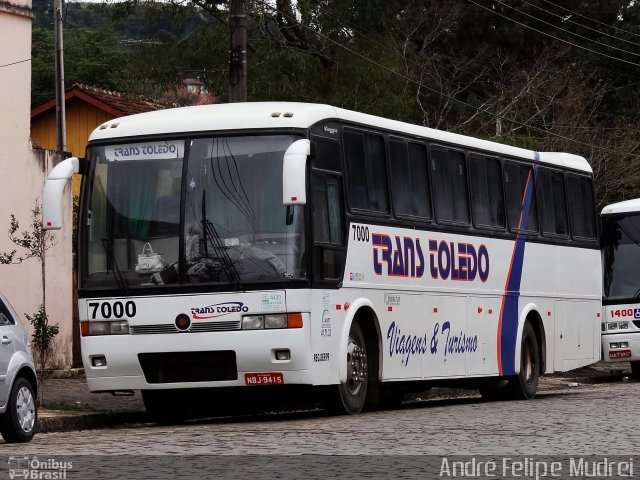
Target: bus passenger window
[581, 207]
[409, 179]
[449, 184]
[551, 201]
[518, 189]
[487, 203]
[366, 173]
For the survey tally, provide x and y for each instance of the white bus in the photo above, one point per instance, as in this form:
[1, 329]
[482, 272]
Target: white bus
[267, 245]
[621, 294]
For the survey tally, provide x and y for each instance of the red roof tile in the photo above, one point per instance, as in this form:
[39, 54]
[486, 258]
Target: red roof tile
[116, 103]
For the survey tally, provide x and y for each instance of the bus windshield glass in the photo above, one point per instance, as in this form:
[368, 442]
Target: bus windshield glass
[207, 210]
[621, 257]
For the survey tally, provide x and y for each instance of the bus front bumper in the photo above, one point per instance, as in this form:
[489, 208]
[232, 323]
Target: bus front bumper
[202, 360]
[621, 347]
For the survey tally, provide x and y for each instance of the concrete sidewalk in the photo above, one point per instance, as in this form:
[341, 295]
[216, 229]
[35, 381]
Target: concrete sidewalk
[68, 404]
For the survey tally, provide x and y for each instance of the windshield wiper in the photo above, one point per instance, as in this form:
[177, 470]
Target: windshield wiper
[212, 238]
[121, 280]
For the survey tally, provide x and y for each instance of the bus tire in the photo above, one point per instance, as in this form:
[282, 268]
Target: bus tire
[349, 398]
[524, 385]
[18, 423]
[635, 370]
[164, 406]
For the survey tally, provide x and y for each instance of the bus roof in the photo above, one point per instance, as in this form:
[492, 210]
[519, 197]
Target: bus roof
[257, 115]
[628, 206]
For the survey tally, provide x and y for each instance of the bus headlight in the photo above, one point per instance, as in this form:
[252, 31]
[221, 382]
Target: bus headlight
[252, 322]
[617, 325]
[275, 321]
[271, 321]
[117, 327]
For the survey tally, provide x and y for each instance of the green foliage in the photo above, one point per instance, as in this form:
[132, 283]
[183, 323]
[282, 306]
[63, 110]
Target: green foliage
[509, 72]
[43, 333]
[34, 241]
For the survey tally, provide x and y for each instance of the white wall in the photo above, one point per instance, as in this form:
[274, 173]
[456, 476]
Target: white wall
[22, 175]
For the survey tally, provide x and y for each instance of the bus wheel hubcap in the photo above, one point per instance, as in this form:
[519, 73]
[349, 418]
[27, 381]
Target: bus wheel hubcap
[356, 366]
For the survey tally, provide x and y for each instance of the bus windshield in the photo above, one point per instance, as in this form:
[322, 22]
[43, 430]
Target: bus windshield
[218, 199]
[621, 257]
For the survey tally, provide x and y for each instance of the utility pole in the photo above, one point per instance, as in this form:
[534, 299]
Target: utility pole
[237, 51]
[61, 129]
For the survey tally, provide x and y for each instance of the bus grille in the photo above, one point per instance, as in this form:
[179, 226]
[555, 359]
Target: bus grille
[203, 327]
[174, 367]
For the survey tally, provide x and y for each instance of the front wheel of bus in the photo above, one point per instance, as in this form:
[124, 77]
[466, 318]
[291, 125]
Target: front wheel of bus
[164, 406]
[349, 397]
[635, 370]
[524, 385]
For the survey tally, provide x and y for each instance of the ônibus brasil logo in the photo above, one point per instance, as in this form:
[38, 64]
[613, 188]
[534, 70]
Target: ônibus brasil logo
[218, 310]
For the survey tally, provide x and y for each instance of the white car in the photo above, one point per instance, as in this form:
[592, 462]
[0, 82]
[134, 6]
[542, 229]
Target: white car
[18, 381]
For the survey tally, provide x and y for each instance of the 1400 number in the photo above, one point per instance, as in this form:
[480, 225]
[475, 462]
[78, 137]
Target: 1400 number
[115, 309]
[625, 312]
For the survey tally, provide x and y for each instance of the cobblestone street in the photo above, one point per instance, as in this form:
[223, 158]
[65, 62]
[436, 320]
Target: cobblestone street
[587, 420]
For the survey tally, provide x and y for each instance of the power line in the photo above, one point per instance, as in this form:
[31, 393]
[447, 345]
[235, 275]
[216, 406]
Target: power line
[15, 63]
[567, 19]
[360, 29]
[568, 31]
[591, 19]
[393, 72]
[552, 36]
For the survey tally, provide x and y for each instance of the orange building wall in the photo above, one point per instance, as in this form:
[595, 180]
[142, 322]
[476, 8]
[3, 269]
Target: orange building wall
[82, 119]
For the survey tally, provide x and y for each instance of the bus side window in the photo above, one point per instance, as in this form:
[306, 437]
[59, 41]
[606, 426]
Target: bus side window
[485, 180]
[409, 179]
[449, 184]
[327, 225]
[519, 194]
[551, 202]
[366, 173]
[581, 207]
[326, 155]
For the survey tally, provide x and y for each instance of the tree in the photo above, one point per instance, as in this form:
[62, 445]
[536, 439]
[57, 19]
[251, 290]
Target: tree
[34, 243]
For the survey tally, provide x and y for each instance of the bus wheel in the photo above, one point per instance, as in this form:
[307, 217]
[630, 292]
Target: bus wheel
[164, 406]
[350, 396]
[635, 370]
[524, 385]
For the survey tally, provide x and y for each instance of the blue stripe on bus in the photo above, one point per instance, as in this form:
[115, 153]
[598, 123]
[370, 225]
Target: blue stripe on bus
[508, 322]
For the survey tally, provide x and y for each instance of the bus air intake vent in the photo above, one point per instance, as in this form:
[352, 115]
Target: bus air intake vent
[199, 327]
[175, 367]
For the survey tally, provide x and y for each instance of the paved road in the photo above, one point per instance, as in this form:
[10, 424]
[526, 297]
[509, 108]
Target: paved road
[589, 420]
[597, 419]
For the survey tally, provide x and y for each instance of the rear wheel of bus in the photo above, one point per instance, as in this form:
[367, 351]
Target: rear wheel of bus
[524, 385]
[349, 397]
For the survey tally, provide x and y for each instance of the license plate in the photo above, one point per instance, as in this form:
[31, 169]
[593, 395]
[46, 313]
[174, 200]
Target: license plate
[620, 354]
[264, 378]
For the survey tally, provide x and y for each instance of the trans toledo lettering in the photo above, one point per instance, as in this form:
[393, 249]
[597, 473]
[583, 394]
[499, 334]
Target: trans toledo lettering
[404, 257]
